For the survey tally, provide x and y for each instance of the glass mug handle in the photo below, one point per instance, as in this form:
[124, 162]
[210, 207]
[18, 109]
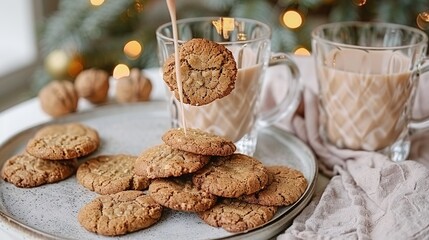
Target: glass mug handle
[289, 103]
[420, 124]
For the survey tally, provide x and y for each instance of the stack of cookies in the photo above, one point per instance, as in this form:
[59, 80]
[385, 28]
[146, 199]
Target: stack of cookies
[123, 207]
[51, 155]
[192, 171]
[195, 171]
[199, 172]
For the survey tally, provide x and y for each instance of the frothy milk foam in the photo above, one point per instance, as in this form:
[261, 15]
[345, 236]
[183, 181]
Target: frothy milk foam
[364, 95]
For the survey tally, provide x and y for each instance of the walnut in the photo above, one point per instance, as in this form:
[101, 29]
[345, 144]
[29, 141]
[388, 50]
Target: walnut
[93, 85]
[134, 88]
[58, 98]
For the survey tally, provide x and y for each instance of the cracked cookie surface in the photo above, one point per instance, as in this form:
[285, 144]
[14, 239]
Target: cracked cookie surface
[181, 194]
[27, 171]
[63, 141]
[119, 213]
[237, 216]
[111, 174]
[232, 176]
[164, 161]
[208, 71]
[198, 142]
[286, 187]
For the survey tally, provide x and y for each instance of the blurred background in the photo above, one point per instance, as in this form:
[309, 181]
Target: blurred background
[46, 40]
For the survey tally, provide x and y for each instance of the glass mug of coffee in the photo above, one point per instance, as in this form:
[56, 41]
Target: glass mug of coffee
[367, 75]
[238, 115]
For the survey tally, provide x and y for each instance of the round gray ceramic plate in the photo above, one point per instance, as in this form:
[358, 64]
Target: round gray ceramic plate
[50, 211]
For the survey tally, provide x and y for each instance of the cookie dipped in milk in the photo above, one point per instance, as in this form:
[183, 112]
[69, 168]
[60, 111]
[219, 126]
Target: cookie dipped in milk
[222, 63]
[220, 86]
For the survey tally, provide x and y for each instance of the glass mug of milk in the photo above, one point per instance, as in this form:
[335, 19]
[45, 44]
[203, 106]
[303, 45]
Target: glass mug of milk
[367, 75]
[238, 115]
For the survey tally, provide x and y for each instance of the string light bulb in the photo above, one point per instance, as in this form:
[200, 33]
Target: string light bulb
[121, 70]
[292, 19]
[96, 2]
[302, 51]
[133, 49]
[423, 20]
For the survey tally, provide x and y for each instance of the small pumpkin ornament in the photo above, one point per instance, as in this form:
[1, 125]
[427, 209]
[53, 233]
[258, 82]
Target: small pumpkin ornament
[93, 85]
[134, 88]
[58, 98]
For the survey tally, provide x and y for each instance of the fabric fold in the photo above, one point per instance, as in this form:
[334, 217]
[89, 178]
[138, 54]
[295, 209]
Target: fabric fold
[368, 196]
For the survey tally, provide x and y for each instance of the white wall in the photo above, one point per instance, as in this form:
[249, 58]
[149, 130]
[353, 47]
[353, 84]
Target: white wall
[17, 35]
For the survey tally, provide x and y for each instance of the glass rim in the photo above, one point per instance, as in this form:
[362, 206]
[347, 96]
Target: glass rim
[315, 34]
[206, 19]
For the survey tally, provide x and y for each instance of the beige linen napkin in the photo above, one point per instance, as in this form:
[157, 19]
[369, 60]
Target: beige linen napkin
[369, 196]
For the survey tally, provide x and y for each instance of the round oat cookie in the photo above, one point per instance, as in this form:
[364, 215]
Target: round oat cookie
[119, 213]
[286, 187]
[198, 142]
[234, 215]
[164, 161]
[232, 176]
[109, 174]
[27, 171]
[208, 71]
[63, 141]
[181, 194]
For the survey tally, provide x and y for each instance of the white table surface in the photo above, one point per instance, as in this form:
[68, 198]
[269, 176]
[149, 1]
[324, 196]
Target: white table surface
[29, 113]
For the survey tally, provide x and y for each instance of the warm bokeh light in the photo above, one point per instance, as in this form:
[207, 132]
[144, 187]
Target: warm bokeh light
[359, 3]
[133, 49]
[139, 6]
[75, 67]
[96, 2]
[121, 70]
[301, 51]
[423, 20]
[292, 19]
[57, 63]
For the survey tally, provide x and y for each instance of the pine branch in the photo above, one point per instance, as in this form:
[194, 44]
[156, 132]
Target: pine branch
[101, 18]
[62, 24]
[255, 9]
[77, 24]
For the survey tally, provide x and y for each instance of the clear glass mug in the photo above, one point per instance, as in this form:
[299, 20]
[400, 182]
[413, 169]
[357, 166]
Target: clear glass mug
[367, 75]
[238, 115]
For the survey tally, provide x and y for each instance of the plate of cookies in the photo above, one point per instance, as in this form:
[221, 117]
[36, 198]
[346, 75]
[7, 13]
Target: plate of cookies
[122, 171]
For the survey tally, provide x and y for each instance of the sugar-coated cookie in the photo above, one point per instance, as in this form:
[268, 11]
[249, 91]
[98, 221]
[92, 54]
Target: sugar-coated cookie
[63, 141]
[164, 161]
[234, 215]
[286, 186]
[198, 142]
[27, 171]
[232, 176]
[109, 174]
[208, 71]
[120, 213]
[181, 194]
